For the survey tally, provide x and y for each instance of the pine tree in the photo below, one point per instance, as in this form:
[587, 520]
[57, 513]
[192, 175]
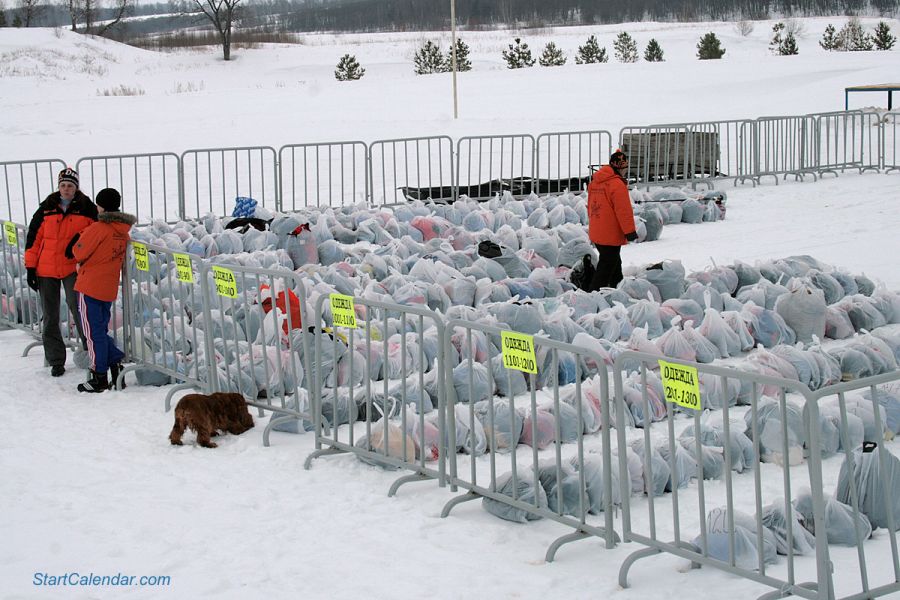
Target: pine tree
[625, 48]
[853, 38]
[776, 41]
[462, 58]
[883, 39]
[653, 53]
[710, 47]
[590, 53]
[2, 16]
[348, 69]
[829, 39]
[518, 56]
[428, 59]
[17, 20]
[788, 45]
[552, 56]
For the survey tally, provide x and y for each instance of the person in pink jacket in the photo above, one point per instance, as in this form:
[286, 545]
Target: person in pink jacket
[610, 219]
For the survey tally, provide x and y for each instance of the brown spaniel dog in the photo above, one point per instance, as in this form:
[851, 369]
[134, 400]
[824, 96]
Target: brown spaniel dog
[206, 415]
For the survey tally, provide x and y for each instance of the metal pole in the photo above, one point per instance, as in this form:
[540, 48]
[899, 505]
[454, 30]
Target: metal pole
[453, 55]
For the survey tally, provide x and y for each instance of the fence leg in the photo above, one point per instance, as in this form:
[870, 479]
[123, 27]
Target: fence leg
[633, 558]
[172, 392]
[458, 500]
[29, 347]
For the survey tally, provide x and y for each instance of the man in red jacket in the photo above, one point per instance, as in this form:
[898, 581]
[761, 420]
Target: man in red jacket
[100, 252]
[62, 215]
[610, 219]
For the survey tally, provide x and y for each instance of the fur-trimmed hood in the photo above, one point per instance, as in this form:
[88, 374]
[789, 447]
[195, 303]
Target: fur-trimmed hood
[114, 216]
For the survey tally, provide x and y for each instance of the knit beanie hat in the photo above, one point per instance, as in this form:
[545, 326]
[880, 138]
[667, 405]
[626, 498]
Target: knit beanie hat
[68, 174]
[109, 199]
[617, 158]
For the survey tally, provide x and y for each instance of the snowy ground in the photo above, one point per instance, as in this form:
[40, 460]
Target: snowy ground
[91, 484]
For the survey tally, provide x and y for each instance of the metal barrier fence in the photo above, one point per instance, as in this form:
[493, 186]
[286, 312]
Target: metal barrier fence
[727, 154]
[212, 178]
[149, 183]
[398, 420]
[419, 168]
[890, 142]
[784, 146]
[488, 165]
[388, 172]
[563, 159]
[254, 327]
[558, 364]
[326, 174]
[781, 432]
[847, 140]
[21, 306]
[164, 311]
[26, 184]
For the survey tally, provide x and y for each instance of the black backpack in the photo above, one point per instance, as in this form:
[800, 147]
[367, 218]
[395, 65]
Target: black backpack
[489, 249]
[583, 273]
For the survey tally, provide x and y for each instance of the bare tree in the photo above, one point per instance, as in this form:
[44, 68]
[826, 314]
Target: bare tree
[75, 11]
[122, 9]
[87, 11]
[222, 14]
[795, 28]
[30, 11]
[743, 27]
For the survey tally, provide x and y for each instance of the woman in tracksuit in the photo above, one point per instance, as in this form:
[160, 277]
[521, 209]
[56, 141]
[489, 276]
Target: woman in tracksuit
[100, 252]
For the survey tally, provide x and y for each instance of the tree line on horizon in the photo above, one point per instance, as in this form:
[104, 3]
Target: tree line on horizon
[418, 15]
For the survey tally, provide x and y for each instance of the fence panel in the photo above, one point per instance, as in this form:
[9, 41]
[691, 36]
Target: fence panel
[578, 485]
[419, 168]
[872, 576]
[21, 306]
[253, 323]
[163, 311]
[323, 174]
[212, 178]
[757, 525]
[720, 151]
[26, 184]
[489, 165]
[564, 159]
[149, 183]
[890, 142]
[847, 140]
[391, 382]
[785, 146]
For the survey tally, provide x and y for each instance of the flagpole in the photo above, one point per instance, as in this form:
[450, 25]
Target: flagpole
[453, 55]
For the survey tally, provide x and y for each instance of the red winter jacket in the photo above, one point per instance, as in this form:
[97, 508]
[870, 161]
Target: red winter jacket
[100, 252]
[51, 230]
[610, 217]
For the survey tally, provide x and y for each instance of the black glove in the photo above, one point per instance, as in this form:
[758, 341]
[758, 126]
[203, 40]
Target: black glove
[71, 245]
[631, 237]
[31, 278]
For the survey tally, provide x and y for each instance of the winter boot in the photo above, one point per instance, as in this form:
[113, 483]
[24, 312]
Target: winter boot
[96, 384]
[57, 370]
[114, 371]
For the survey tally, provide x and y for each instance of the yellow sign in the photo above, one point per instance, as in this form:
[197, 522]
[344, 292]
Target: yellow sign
[183, 271]
[11, 238]
[141, 258]
[342, 312]
[680, 384]
[226, 284]
[518, 351]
